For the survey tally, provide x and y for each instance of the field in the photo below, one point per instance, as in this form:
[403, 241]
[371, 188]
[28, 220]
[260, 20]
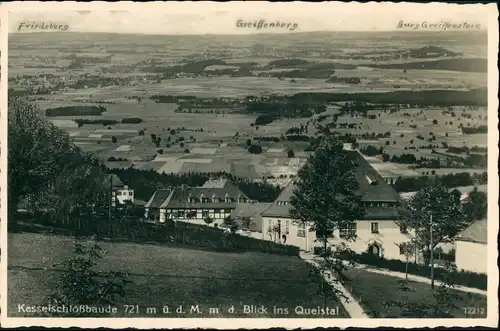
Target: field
[171, 276]
[375, 290]
[217, 141]
[217, 147]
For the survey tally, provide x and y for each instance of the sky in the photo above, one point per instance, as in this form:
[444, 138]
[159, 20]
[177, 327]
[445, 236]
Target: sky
[221, 18]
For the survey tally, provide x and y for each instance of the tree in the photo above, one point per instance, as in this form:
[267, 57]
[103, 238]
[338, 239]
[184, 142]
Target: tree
[255, 149]
[325, 198]
[291, 153]
[81, 284]
[247, 223]
[435, 122]
[208, 220]
[435, 210]
[114, 140]
[37, 152]
[230, 223]
[476, 206]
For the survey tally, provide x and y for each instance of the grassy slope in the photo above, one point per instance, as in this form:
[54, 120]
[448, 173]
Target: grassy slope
[170, 276]
[373, 289]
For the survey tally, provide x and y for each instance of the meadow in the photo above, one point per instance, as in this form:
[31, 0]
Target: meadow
[171, 276]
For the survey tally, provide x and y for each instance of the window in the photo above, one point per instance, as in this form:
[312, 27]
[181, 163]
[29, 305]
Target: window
[118, 193]
[374, 226]
[218, 211]
[180, 213]
[204, 213]
[287, 227]
[403, 228]
[130, 193]
[348, 230]
[228, 210]
[301, 230]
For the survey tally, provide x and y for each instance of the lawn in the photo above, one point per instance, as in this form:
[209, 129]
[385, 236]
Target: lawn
[166, 276]
[372, 290]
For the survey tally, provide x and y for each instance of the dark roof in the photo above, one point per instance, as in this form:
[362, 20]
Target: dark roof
[281, 206]
[138, 202]
[158, 198]
[117, 183]
[372, 188]
[252, 210]
[365, 174]
[381, 213]
[180, 195]
[476, 232]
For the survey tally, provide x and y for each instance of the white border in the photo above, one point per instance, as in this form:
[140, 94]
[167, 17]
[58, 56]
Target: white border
[490, 10]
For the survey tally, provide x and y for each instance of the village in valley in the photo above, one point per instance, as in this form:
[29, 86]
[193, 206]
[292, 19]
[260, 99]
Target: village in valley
[285, 172]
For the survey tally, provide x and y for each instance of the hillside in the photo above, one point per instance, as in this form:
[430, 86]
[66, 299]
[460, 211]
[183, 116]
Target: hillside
[170, 276]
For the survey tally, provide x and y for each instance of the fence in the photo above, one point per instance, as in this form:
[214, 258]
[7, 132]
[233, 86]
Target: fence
[464, 278]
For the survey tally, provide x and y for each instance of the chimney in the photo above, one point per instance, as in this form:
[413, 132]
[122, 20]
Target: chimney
[126, 187]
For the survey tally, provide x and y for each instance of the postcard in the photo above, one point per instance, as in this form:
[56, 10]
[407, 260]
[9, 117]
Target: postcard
[204, 164]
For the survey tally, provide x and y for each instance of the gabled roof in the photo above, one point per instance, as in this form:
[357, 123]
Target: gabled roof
[476, 232]
[158, 198]
[251, 210]
[115, 180]
[372, 188]
[281, 206]
[180, 195]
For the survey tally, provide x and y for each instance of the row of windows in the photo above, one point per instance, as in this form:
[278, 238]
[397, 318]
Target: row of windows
[347, 231]
[204, 213]
[124, 193]
[215, 200]
[380, 204]
[374, 228]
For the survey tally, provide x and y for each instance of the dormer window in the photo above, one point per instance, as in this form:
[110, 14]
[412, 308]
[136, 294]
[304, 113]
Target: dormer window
[215, 199]
[370, 180]
[227, 198]
[241, 198]
[203, 198]
[190, 199]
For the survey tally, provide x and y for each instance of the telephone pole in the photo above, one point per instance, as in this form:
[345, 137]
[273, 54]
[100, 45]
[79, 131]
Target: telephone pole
[111, 197]
[432, 254]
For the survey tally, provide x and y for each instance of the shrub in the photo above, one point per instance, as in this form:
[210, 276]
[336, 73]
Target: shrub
[132, 120]
[464, 278]
[255, 149]
[291, 153]
[114, 140]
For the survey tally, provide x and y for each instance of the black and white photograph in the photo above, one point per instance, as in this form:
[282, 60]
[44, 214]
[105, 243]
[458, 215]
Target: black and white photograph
[288, 164]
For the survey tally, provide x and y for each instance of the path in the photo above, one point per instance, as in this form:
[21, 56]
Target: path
[414, 278]
[352, 306]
